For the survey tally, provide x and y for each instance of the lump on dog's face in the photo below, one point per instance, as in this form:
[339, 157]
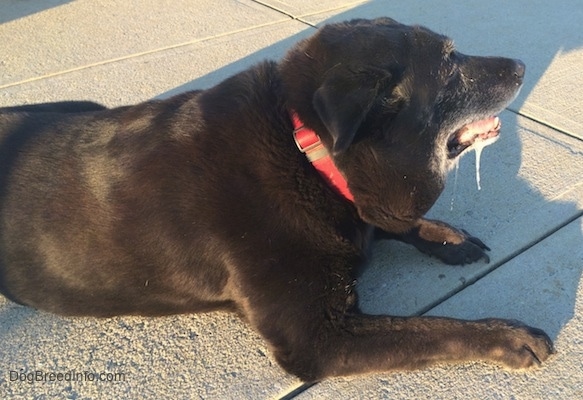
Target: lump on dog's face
[400, 104]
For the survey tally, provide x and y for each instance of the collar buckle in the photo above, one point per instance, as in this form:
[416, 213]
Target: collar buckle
[309, 143]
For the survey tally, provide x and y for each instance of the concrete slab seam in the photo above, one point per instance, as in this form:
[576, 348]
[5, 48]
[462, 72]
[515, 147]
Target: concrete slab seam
[297, 391]
[333, 9]
[141, 54]
[300, 18]
[546, 124]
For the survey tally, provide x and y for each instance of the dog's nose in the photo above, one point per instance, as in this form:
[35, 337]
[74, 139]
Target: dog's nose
[519, 69]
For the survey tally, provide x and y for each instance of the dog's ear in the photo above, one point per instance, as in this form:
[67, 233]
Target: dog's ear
[343, 101]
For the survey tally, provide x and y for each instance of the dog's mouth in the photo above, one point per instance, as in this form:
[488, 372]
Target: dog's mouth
[485, 131]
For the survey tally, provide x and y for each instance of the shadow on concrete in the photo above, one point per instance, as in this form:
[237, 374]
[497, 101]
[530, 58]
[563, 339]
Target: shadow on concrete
[15, 9]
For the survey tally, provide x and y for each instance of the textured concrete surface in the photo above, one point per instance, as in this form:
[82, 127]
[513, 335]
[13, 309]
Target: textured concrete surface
[528, 211]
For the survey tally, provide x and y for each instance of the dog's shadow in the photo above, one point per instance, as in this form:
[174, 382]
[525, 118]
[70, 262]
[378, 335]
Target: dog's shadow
[20, 9]
[512, 211]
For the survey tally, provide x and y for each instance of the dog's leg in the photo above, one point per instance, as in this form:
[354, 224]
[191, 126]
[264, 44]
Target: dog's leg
[436, 238]
[363, 344]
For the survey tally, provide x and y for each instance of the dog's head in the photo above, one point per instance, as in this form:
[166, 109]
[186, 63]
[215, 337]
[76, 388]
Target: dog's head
[396, 105]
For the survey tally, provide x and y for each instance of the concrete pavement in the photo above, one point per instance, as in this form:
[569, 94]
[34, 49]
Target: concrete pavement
[529, 211]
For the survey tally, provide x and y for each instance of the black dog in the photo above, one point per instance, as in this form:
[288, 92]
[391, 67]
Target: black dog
[203, 201]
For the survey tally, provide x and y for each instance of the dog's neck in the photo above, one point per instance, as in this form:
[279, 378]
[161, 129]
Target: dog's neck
[309, 143]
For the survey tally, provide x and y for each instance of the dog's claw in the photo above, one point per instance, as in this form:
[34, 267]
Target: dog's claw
[476, 241]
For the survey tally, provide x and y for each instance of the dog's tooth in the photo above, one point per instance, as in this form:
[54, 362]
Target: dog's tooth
[496, 122]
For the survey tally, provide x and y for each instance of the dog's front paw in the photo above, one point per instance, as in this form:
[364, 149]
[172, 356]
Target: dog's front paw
[464, 250]
[438, 239]
[519, 346]
[452, 246]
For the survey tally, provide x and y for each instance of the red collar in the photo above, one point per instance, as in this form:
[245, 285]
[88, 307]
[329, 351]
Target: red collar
[309, 143]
